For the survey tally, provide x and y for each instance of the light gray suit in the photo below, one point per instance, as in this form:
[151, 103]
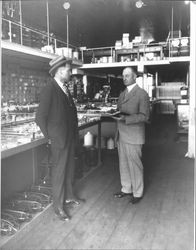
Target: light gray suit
[131, 137]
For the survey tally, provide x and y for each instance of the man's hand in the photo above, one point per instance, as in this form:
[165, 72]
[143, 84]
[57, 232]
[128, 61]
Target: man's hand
[122, 117]
[49, 141]
[119, 118]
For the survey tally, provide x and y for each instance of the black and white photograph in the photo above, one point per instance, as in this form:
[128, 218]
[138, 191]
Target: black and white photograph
[98, 124]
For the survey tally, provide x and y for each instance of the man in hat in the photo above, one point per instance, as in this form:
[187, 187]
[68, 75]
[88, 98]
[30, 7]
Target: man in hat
[134, 105]
[57, 118]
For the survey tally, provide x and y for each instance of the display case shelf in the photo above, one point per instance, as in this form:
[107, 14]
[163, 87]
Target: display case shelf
[21, 148]
[146, 54]
[21, 51]
[135, 63]
[14, 49]
[30, 142]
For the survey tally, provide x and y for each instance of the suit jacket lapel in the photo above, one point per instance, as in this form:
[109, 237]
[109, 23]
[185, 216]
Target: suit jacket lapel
[60, 92]
[127, 96]
[132, 92]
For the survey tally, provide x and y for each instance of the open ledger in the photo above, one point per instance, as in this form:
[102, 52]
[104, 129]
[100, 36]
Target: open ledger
[117, 114]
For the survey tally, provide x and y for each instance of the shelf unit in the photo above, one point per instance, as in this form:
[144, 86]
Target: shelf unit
[21, 164]
[139, 52]
[17, 62]
[123, 54]
[139, 56]
[25, 72]
[96, 55]
[19, 33]
[135, 63]
[21, 51]
[136, 57]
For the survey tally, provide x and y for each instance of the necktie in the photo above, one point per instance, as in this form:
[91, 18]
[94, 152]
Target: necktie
[65, 89]
[126, 93]
[67, 92]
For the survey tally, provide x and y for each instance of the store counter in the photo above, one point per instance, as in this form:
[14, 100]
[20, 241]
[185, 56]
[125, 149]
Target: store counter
[20, 163]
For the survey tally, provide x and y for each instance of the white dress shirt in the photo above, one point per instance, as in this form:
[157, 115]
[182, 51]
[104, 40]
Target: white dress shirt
[61, 85]
[130, 87]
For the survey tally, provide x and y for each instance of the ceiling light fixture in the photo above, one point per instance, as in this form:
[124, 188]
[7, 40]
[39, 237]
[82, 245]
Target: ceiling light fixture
[66, 5]
[186, 2]
[139, 4]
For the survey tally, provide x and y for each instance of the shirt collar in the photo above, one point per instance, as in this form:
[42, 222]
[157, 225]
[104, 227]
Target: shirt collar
[130, 87]
[59, 82]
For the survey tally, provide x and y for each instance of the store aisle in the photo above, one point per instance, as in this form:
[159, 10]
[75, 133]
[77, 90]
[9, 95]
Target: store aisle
[163, 219]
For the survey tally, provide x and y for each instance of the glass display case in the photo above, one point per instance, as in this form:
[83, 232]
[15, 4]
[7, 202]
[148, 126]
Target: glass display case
[18, 129]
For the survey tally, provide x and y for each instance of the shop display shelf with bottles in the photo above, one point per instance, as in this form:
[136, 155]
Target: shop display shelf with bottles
[169, 79]
[141, 52]
[161, 53]
[98, 55]
[111, 55]
[167, 94]
[178, 47]
[169, 91]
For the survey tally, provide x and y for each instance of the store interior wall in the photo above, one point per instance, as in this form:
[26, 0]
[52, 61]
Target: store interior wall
[191, 135]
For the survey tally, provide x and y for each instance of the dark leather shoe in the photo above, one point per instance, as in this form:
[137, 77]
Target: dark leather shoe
[135, 200]
[121, 194]
[61, 214]
[73, 201]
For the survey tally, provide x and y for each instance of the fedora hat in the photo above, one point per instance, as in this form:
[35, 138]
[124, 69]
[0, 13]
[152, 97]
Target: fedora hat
[58, 62]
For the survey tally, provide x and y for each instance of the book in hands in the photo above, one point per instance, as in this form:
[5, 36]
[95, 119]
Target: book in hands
[118, 114]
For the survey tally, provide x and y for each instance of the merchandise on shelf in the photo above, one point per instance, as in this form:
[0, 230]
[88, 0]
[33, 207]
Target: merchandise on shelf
[169, 90]
[19, 134]
[22, 85]
[7, 227]
[20, 208]
[146, 82]
[28, 206]
[20, 216]
[137, 50]
[10, 218]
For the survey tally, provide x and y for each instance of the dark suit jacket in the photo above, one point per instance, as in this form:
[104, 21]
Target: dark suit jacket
[57, 116]
[137, 107]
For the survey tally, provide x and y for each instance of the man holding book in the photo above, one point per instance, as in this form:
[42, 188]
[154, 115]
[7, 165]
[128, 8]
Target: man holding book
[134, 105]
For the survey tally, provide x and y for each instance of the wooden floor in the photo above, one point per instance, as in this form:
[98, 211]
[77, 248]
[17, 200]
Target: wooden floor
[162, 220]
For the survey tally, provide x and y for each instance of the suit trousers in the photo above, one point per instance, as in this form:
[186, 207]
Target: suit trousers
[63, 173]
[131, 168]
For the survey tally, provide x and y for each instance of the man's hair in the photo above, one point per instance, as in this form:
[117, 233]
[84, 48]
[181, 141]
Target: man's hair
[133, 70]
